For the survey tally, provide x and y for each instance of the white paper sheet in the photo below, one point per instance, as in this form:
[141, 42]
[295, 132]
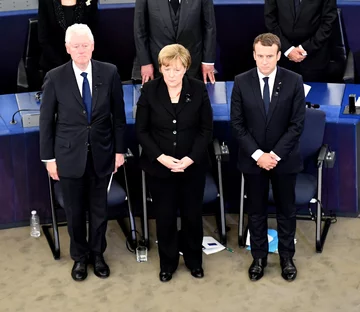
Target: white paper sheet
[306, 89]
[211, 245]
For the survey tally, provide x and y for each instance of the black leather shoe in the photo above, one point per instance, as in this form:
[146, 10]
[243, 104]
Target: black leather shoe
[256, 270]
[79, 271]
[288, 269]
[165, 276]
[197, 273]
[101, 269]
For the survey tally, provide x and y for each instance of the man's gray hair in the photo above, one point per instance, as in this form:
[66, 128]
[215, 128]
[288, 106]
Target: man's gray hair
[78, 29]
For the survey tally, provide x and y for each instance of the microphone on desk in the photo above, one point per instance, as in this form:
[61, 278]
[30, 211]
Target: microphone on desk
[14, 122]
[309, 105]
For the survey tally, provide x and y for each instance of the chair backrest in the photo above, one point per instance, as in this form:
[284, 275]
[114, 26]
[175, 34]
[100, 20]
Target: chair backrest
[338, 50]
[312, 137]
[32, 49]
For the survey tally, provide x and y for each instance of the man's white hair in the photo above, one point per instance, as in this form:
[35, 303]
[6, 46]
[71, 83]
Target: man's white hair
[78, 29]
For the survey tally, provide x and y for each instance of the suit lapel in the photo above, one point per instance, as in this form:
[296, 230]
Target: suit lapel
[166, 16]
[275, 93]
[165, 98]
[70, 74]
[185, 9]
[257, 93]
[96, 84]
[185, 95]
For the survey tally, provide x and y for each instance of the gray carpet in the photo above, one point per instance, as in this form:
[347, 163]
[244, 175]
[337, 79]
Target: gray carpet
[32, 280]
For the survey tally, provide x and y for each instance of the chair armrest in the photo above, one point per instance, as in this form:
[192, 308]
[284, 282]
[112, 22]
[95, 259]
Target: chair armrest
[128, 154]
[221, 151]
[22, 81]
[322, 154]
[349, 74]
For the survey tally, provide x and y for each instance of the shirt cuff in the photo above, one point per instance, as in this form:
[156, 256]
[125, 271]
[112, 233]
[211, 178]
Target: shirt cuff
[257, 154]
[207, 63]
[288, 51]
[276, 156]
[300, 46]
[48, 160]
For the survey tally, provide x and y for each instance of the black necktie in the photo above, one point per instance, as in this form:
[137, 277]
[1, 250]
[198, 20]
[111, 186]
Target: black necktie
[296, 5]
[175, 5]
[86, 96]
[266, 94]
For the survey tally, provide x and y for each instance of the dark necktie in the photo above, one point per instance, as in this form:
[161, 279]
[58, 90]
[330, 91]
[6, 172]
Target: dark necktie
[266, 94]
[296, 5]
[175, 5]
[86, 96]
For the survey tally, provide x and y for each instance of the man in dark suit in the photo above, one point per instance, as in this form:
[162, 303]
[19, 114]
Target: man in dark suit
[158, 23]
[267, 117]
[304, 28]
[82, 126]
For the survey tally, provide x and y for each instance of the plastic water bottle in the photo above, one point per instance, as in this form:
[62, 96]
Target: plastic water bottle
[34, 224]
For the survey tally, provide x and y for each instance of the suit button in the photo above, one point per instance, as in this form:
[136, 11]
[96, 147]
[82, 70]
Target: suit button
[174, 132]
[88, 127]
[174, 121]
[84, 112]
[174, 143]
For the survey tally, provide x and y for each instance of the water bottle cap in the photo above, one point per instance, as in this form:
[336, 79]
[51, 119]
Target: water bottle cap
[33, 212]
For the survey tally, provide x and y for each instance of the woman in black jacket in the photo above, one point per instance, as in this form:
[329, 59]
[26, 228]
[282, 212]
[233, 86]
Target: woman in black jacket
[174, 127]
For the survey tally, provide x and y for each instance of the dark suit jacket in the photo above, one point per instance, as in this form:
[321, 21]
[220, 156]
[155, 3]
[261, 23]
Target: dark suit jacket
[52, 27]
[279, 131]
[311, 27]
[153, 29]
[186, 131]
[64, 129]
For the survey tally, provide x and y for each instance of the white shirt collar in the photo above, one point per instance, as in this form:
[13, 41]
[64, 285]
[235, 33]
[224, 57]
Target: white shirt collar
[78, 71]
[271, 76]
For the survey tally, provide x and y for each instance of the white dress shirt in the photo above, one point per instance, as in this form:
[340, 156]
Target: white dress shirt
[258, 153]
[79, 81]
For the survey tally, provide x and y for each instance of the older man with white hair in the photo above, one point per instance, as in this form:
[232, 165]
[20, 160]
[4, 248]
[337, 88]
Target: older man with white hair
[82, 126]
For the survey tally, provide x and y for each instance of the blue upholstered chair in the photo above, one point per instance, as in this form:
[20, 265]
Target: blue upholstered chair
[213, 195]
[308, 182]
[119, 208]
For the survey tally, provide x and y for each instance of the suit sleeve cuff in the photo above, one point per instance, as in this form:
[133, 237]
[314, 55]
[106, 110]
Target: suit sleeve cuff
[257, 154]
[276, 156]
[288, 51]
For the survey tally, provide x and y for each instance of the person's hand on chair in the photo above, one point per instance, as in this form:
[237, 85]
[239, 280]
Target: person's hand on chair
[51, 167]
[147, 73]
[119, 161]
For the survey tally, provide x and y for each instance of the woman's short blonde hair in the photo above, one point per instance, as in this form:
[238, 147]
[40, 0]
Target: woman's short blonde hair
[172, 52]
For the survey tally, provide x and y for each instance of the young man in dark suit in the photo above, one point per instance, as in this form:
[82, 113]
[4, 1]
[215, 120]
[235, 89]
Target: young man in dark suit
[158, 23]
[82, 127]
[304, 28]
[267, 117]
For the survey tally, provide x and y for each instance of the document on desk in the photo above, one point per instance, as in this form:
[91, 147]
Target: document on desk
[357, 103]
[211, 245]
[306, 89]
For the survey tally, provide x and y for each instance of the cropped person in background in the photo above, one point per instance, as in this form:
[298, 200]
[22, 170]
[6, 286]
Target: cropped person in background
[82, 129]
[54, 17]
[189, 23]
[174, 128]
[304, 28]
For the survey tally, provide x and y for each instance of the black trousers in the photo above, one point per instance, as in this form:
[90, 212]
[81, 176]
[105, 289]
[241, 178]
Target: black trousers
[184, 192]
[257, 191]
[88, 193]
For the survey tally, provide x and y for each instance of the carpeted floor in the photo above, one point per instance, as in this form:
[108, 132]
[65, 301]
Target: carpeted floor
[31, 280]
